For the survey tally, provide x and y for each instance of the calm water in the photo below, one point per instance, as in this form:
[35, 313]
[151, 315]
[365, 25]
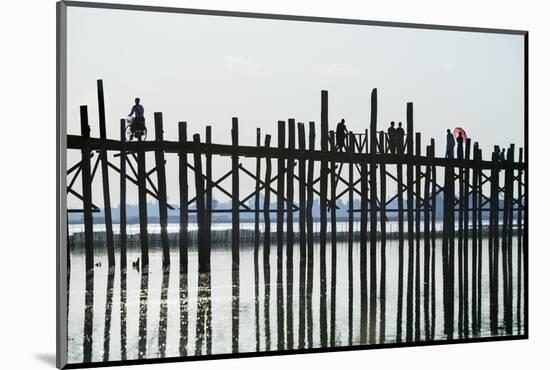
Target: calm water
[167, 314]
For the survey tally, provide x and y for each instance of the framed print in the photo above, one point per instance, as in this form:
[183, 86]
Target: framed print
[236, 184]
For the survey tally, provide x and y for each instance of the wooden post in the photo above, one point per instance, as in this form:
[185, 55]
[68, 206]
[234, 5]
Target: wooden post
[507, 241]
[373, 217]
[161, 182]
[209, 186]
[235, 240]
[519, 242]
[87, 191]
[400, 222]
[363, 248]
[426, 282]
[323, 216]
[310, 231]
[204, 248]
[333, 243]
[447, 284]
[142, 200]
[235, 195]
[382, 334]
[417, 241]
[267, 244]
[105, 178]
[433, 233]
[480, 240]
[280, 220]
[184, 198]
[351, 218]
[122, 205]
[257, 201]
[461, 297]
[466, 207]
[410, 224]
[474, 240]
[302, 236]
[290, 236]
[493, 236]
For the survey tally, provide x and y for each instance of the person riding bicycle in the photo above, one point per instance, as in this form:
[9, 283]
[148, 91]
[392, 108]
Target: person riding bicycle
[137, 122]
[137, 109]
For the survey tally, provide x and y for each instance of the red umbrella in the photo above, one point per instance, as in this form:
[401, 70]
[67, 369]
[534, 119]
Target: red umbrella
[460, 130]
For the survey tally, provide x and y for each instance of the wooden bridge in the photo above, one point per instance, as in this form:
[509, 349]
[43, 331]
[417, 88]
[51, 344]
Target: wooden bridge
[464, 188]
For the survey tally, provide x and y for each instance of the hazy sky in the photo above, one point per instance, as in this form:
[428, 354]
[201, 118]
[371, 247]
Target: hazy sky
[207, 69]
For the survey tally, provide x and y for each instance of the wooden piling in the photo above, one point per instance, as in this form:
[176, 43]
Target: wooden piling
[161, 182]
[460, 251]
[310, 231]
[290, 236]
[410, 225]
[280, 242]
[493, 247]
[257, 199]
[433, 233]
[333, 243]
[323, 217]
[122, 205]
[235, 195]
[466, 246]
[475, 234]
[401, 236]
[383, 220]
[351, 219]
[87, 191]
[417, 207]
[267, 244]
[109, 239]
[209, 186]
[184, 198]
[142, 201]
[302, 236]
[519, 259]
[203, 247]
[427, 249]
[363, 249]
[480, 240]
[373, 217]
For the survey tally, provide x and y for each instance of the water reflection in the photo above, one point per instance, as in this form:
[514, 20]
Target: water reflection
[233, 310]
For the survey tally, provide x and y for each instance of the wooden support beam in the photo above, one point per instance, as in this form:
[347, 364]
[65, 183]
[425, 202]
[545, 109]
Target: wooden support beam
[310, 231]
[142, 204]
[333, 226]
[323, 217]
[417, 215]
[383, 220]
[204, 248]
[161, 181]
[209, 186]
[87, 191]
[122, 205]
[290, 237]
[302, 237]
[183, 193]
[280, 242]
[109, 239]
[410, 226]
[373, 197]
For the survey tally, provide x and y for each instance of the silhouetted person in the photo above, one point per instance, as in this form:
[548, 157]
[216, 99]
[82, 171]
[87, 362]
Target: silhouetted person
[341, 134]
[460, 147]
[137, 111]
[502, 156]
[400, 138]
[450, 153]
[392, 138]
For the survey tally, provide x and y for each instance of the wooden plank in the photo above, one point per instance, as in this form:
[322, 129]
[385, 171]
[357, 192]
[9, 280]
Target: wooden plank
[87, 192]
[161, 182]
[183, 193]
[77, 142]
[122, 205]
[109, 238]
